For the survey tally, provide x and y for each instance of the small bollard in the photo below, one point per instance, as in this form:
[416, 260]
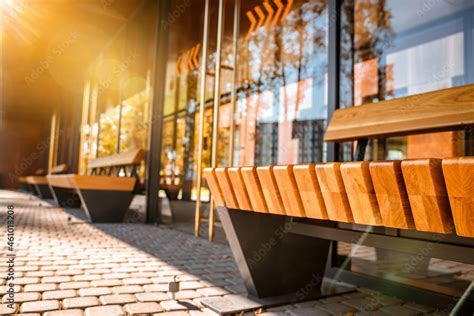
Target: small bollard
[173, 287]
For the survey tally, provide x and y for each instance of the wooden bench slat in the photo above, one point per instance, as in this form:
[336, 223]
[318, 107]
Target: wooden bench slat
[391, 194]
[334, 192]
[440, 110]
[216, 192]
[133, 157]
[459, 177]
[36, 180]
[288, 189]
[270, 190]
[59, 168]
[427, 195]
[361, 193]
[240, 190]
[226, 188]
[254, 189]
[61, 181]
[310, 191]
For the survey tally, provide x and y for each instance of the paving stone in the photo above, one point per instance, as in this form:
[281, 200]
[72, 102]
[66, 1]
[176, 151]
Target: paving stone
[337, 308]
[69, 312]
[100, 283]
[95, 291]
[59, 295]
[74, 285]
[117, 299]
[172, 305]
[40, 287]
[56, 279]
[128, 289]
[307, 311]
[212, 291]
[5, 309]
[419, 308]
[24, 297]
[109, 310]
[152, 297]
[80, 302]
[39, 306]
[24, 281]
[156, 288]
[397, 310]
[142, 308]
[136, 281]
[187, 294]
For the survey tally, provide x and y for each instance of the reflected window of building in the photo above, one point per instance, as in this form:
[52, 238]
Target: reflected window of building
[396, 48]
[282, 82]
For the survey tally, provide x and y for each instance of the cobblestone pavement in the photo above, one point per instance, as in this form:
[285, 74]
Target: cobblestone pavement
[75, 268]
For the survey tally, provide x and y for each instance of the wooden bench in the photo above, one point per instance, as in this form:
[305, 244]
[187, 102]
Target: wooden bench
[28, 187]
[40, 184]
[281, 220]
[106, 191]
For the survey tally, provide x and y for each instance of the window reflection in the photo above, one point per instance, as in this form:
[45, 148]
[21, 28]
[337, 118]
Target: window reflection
[282, 100]
[397, 48]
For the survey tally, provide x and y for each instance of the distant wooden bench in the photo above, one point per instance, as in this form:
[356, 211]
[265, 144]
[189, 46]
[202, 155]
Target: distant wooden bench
[40, 183]
[106, 191]
[301, 208]
[171, 184]
[27, 187]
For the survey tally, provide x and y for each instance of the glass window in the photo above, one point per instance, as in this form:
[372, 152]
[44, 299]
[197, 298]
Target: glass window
[282, 84]
[397, 48]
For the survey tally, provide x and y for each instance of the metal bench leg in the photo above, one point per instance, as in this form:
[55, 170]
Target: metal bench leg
[66, 198]
[43, 191]
[104, 206]
[278, 267]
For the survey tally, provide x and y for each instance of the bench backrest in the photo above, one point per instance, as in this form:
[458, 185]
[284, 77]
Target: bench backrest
[62, 168]
[116, 163]
[442, 110]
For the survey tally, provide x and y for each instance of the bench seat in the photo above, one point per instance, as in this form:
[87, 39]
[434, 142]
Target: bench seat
[40, 185]
[429, 195]
[104, 193]
[104, 198]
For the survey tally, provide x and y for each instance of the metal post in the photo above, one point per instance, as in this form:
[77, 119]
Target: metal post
[234, 80]
[155, 132]
[119, 127]
[53, 141]
[217, 103]
[202, 105]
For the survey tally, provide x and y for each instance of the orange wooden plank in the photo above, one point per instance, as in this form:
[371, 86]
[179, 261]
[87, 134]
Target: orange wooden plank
[226, 188]
[216, 193]
[288, 189]
[270, 190]
[240, 190]
[391, 194]
[433, 111]
[427, 194]
[310, 192]
[361, 193]
[459, 177]
[254, 189]
[333, 191]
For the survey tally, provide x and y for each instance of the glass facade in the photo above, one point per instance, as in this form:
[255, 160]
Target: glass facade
[117, 97]
[396, 48]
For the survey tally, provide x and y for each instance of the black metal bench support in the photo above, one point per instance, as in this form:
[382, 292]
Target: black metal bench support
[43, 191]
[105, 206]
[277, 267]
[66, 198]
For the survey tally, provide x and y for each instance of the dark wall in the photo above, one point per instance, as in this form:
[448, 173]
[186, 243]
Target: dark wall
[24, 146]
